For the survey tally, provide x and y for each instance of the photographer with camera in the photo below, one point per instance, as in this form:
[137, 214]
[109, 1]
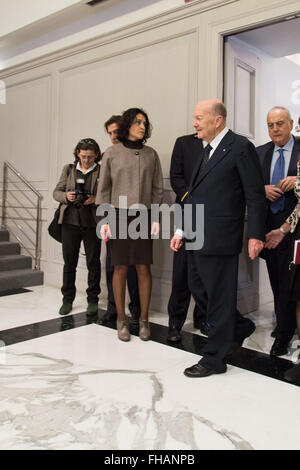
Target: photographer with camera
[76, 192]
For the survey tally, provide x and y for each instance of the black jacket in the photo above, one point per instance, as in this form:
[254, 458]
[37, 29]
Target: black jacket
[186, 153]
[230, 181]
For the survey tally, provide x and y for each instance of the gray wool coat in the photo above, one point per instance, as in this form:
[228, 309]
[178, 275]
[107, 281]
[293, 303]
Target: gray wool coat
[67, 183]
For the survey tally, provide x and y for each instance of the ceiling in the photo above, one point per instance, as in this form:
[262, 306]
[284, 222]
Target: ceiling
[278, 40]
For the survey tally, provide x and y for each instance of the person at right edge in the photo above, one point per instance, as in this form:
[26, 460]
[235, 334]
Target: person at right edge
[278, 159]
[226, 179]
[290, 230]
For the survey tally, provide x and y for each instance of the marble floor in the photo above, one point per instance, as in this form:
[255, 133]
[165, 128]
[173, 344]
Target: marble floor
[68, 383]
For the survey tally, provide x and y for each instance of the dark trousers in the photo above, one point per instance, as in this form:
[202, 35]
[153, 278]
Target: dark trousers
[278, 269]
[181, 295]
[132, 283]
[72, 236]
[217, 275]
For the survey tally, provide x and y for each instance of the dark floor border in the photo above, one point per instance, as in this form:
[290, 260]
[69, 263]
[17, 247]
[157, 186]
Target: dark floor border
[14, 292]
[253, 361]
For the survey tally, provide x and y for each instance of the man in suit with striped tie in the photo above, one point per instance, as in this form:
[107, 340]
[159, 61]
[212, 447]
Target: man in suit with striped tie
[279, 159]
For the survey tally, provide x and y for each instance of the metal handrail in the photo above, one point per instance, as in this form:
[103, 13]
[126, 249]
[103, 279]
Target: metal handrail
[37, 207]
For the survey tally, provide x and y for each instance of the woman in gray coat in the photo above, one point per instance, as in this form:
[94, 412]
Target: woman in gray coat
[131, 175]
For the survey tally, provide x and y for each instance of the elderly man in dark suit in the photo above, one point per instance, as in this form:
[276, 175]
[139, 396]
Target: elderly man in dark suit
[227, 179]
[279, 159]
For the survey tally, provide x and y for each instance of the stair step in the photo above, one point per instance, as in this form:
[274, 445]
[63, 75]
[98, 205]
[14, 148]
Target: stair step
[4, 235]
[10, 262]
[19, 278]
[9, 248]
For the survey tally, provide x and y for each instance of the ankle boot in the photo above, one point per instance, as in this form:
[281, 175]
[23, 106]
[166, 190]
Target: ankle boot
[65, 308]
[123, 330]
[144, 333]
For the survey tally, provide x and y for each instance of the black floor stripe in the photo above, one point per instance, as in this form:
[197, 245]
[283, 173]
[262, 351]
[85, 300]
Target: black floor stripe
[14, 292]
[254, 361]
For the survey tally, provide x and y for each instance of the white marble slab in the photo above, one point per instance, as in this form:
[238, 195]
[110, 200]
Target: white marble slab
[84, 389]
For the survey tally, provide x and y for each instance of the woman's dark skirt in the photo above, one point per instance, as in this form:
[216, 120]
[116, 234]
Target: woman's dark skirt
[128, 251]
[294, 269]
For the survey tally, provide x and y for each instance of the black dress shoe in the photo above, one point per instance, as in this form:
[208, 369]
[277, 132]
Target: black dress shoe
[279, 348]
[199, 371]
[108, 317]
[274, 333]
[293, 374]
[174, 335]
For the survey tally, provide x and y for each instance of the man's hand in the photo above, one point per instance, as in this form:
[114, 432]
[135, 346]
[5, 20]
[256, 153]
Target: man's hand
[274, 238]
[288, 183]
[272, 192]
[254, 247]
[176, 243]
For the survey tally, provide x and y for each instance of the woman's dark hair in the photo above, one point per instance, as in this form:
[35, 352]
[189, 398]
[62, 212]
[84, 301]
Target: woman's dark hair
[128, 118]
[87, 144]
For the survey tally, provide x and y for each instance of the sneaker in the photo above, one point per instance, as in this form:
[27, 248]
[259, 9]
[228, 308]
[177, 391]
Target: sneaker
[65, 308]
[92, 309]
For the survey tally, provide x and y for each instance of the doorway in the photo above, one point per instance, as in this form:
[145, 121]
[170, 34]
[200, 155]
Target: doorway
[262, 70]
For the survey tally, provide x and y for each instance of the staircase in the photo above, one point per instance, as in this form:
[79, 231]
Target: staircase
[16, 270]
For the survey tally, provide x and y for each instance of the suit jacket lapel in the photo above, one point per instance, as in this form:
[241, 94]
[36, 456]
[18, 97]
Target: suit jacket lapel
[294, 158]
[221, 151]
[266, 167]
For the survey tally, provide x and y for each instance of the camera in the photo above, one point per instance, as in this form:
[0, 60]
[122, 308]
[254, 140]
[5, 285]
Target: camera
[80, 194]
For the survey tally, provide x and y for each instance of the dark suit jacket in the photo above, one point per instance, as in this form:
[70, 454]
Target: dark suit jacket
[230, 180]
[186, 153]
[265, 153]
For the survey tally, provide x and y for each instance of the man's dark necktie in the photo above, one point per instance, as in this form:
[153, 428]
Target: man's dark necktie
[278, 174]
[206, 153]
[202, 163]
